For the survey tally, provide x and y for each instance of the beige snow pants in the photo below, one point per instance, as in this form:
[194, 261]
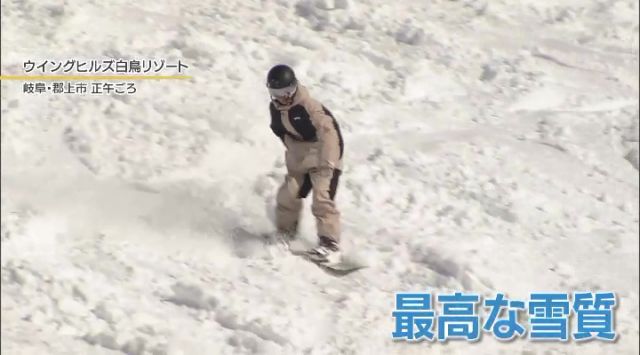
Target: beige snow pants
[299, 181]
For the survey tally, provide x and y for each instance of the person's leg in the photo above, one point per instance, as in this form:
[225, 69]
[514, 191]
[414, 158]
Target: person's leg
[325, 184]
[289, 202]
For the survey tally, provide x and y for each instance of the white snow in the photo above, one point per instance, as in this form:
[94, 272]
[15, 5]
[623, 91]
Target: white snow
[490, 147]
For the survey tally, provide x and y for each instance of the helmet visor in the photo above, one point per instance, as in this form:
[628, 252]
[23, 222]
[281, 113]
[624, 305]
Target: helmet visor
[283, 92]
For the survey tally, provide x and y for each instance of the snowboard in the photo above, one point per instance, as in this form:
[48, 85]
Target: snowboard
[347, 264]
[344, 266]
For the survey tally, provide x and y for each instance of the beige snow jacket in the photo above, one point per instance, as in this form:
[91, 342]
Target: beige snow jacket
[309, 131]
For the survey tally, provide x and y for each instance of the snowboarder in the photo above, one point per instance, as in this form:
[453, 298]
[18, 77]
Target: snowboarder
[314, 149]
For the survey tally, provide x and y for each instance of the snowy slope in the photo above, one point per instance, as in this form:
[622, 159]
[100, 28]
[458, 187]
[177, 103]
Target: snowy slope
[490, 146]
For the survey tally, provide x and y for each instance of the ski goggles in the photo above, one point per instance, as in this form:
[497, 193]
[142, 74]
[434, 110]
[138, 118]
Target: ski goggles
[287, 91]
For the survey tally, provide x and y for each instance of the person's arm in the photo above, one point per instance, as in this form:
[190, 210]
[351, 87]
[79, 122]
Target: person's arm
[278, 132]
[276, 124]
[327, 135]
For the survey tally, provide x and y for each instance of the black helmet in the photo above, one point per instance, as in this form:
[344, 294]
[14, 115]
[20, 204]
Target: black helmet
[281, 76]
